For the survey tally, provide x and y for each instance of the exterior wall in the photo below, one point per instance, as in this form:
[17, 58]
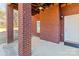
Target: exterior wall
[50, 24]
[34, 19]
[49, 21]
[70, 9]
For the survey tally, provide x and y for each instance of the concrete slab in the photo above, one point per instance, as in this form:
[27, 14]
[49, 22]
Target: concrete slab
[39, 48]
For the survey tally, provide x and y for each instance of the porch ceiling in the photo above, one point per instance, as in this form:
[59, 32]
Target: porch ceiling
[35, 6]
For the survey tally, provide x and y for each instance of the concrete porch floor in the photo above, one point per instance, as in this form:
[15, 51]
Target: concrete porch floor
[40, 48]
[45, 48]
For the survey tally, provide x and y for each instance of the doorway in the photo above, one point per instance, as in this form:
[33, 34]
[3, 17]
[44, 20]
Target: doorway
[71, 30]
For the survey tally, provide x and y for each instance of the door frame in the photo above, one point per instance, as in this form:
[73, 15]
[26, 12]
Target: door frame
[76, 45]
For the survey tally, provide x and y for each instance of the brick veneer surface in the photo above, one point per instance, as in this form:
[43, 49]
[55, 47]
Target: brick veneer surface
[25, 29]
[9, 24]
[50, 23]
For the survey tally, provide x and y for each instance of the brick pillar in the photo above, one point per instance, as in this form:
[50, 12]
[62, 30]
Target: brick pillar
[9, 24]
[24, 29]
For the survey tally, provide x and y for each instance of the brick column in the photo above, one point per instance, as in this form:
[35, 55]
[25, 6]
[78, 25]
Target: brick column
[24, 29]
[9, 24]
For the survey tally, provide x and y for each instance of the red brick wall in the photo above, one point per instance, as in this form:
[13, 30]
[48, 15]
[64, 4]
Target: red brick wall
[34, 19]
[50, 24]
